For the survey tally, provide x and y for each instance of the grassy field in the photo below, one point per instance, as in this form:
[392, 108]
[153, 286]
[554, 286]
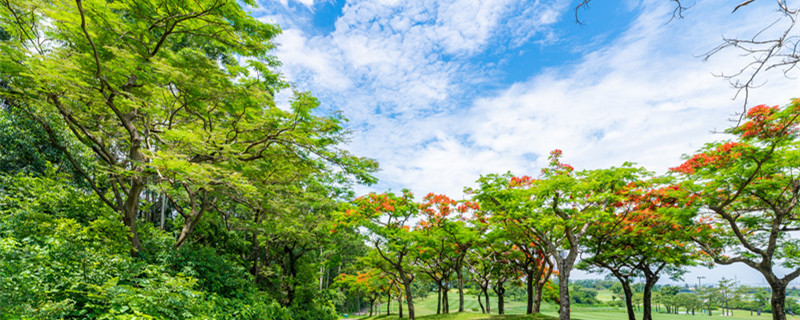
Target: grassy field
[426, 310]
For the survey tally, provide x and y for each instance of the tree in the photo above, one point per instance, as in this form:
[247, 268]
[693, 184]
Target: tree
[647, 234]
[749, 189]
[446, 240]
[171, 97]
[558, 208]
[387, 218]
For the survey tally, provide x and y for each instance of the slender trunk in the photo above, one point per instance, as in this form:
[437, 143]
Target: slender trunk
[190, 221]
[439, 300]
[445, 300]
[626, 287]
[488, 305]
[530, 280]
[409, 299]
[541, 281]
[389, 305]
[480, 301]
[400, 306]
[500, 291]
[163, 210]
[537, 297]
[371, 304]
[460, 289]
[130, 211]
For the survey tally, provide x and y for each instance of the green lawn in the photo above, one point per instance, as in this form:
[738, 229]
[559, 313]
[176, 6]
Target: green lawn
[426, 310]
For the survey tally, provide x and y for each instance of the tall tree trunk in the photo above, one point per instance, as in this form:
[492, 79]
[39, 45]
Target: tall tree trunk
[626, 288]
[439, 299]
[409, 298]
[480, 301]
[389, 304]
[500, 291]
[647, 297]
[460, 275]
[445, 300]
[530, 281]
[563, 292]
[163, 210]
[130, 211]
[486, 294]
[400, 306]
[543, 278]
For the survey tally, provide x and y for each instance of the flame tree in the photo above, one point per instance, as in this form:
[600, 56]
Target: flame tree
[648, 234]
[558, 208]
[387, 218]
[749, 188]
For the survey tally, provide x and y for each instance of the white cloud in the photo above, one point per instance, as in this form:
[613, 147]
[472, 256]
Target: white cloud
[400, 70]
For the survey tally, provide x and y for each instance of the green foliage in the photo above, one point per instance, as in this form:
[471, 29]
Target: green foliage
[583, 295]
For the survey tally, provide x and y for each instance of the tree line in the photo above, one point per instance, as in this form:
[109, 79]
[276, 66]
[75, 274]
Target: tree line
[734, 201]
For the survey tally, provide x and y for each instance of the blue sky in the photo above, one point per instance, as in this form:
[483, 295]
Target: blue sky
[440, 92]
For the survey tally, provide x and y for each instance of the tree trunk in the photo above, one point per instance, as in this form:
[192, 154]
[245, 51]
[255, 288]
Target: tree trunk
[778, 300]
[626, 287]
[400, 305]
[480, 301]
[488, 306]
[500, 299]
[530, 282]
[409, 298]
[445, 300]
[650, 281]
[537, 298]
[190, 221]
[563, 292]
[130, 211]
[439, 300]
[163, 210]
[460, 289]
[389, 305]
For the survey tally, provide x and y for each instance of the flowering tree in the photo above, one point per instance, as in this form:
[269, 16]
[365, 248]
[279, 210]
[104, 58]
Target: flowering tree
[558, 208]
[387, 218]
[749, 190]
[646, 235]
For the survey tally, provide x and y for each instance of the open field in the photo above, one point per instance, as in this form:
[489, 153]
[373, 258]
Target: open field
[426, 309]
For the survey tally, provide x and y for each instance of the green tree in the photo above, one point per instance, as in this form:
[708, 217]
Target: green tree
[559, 208]
[387, 218]
[646, 235]
[748, 189]
[172, 97]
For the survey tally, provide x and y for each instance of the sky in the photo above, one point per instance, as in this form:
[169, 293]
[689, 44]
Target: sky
[442, 92]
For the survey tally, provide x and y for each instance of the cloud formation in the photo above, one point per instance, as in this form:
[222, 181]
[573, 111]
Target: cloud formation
[423, 100]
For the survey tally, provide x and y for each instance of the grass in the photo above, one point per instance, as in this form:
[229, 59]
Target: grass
[426, 310]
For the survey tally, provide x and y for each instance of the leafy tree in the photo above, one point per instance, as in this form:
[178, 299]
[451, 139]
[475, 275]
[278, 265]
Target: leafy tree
[647, 234]
[171, 96]
[387, 218]
[748, 189]
[558, 208]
